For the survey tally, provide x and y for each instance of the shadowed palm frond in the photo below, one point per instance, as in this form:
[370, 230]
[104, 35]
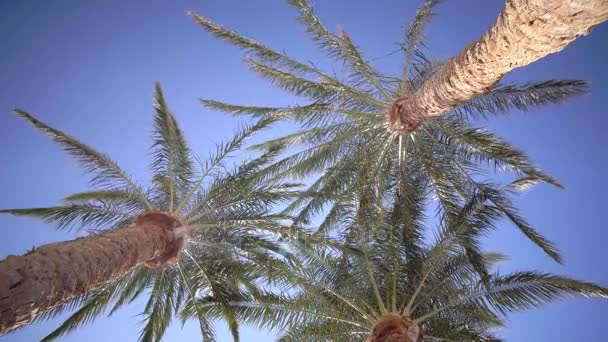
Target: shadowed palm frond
[523, 97]
[414, 36]
[88, 307]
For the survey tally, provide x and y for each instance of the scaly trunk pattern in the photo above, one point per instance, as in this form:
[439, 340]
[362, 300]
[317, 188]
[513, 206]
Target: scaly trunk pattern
[54, 273]
[526, 30]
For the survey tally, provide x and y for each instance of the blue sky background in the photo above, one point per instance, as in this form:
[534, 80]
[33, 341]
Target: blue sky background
[88, 67]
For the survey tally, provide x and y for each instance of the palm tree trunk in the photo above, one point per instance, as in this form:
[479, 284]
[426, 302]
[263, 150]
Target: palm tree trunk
[54, 273]
[526, 30]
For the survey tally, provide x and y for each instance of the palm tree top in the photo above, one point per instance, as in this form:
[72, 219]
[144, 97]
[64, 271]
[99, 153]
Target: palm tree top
[221, 216]
[349, 121]
[421, 288]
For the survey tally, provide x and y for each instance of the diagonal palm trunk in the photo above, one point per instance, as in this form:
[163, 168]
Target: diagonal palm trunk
[54, 273]
[526, 30]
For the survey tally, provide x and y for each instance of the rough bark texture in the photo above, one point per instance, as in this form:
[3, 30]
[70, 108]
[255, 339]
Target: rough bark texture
[526, 30]
[54, 273]
[393, 327]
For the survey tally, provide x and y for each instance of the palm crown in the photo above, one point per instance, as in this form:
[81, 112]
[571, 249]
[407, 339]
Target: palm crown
[431, 286]
[226, 211]
[349, 121]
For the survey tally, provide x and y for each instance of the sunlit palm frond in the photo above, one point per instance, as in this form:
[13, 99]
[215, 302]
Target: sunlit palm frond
[414, 36]
[84, 216]
[172, 156]
[523, 97]
[101, 168]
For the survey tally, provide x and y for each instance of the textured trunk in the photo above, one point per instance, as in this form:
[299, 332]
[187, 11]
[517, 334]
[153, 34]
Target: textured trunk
[54, 273]
[526, 30]
[392, 327]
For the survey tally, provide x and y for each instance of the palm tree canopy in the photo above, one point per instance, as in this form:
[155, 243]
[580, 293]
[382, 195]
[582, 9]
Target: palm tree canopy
[228, 211]
[329, 295]
[346, 123]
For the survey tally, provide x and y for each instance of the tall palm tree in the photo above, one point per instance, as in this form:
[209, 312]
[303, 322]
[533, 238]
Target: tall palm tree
[400, 289]
[349, 121]
[526, 31]
[193, 231]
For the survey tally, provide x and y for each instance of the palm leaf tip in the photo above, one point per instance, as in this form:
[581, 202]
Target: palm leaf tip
[523, 184]
[524, 290]
[103, 169]
[523, 97]
[77, 216]
[159, 98]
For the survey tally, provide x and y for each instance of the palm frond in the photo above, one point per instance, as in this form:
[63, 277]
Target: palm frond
[321, 92]
[171, 153]
[522, 290]
[523, 97]
[413, 39]
[112, 195]
[258, 50]
[505, 205]
[159, 308]
[103, 170]
[223, 150]
[75, 216]
[340, 47]
[295, 112]
[90, 306]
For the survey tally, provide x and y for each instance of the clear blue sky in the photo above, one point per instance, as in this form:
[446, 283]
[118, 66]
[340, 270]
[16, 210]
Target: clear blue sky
[88, 67]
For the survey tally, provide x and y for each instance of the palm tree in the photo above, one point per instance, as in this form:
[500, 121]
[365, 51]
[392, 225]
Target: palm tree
[525, 32]
[349, 122]
[403, 289]
[194, 231]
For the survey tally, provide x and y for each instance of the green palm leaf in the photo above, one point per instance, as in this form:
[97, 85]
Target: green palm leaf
[75, 216]
[102, 169]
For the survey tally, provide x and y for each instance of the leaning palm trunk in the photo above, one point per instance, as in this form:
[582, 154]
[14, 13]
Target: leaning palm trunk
[526, 31]
[54, 273]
